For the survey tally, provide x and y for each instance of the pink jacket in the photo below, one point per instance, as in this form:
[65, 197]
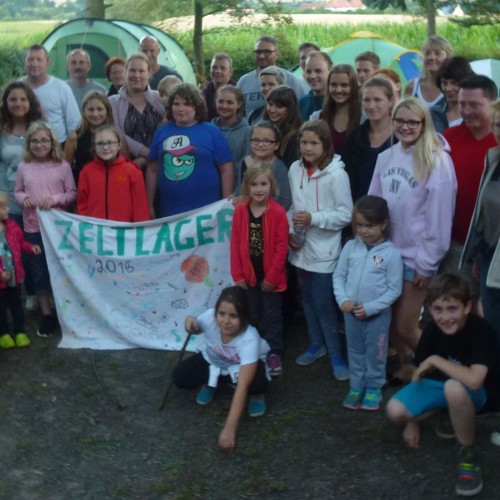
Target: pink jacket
[17, 244]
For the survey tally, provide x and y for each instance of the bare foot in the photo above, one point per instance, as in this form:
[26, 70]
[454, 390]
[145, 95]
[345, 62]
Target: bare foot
[411, 434]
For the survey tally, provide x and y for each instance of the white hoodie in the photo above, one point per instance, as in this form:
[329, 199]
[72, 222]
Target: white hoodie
[326, 195]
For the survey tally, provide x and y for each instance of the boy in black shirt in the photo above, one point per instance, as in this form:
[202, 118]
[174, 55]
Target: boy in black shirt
[456, 359]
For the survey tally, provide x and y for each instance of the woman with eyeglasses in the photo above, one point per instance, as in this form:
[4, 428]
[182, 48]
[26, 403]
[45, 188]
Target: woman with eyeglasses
[231, 121]
[265, 142]
[282, 109]
[417, 178]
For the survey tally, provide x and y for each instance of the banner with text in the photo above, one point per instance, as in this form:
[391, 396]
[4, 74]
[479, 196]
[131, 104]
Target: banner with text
[121, 286]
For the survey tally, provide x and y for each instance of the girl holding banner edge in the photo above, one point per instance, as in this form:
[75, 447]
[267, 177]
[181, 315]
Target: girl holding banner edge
[229, 348]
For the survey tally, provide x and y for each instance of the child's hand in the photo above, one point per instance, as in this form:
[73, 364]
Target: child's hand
[191, 325]
[347, 306]
[28, 203]
[302, 219]
[424, 367]
[36, 250]
[47, 203]
[226, 440]
[242, 284]
[266, 287]
[293, 244]
[5, 276]
[359, 312]
[236, 200]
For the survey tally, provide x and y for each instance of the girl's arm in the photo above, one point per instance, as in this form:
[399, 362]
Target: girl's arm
[68, 195]
[140, 206]
[339, 215]
[191, 325]
[83, 193]
[19, 190]
[440, 207]
[340, 277]
[245, 378]
[236, 243]
[70, 147]
[226, 178]
[278, 259]
[151, 184]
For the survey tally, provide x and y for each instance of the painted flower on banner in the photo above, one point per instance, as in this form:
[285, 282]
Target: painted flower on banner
[195, 269]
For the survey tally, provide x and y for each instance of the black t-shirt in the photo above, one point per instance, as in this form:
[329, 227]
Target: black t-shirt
[475, 344]
[256, 240]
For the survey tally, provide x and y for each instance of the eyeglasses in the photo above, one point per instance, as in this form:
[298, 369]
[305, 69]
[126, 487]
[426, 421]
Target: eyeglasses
[102, 145]
[264, 142]
[41, 142]
[263, 52]
[411, 124]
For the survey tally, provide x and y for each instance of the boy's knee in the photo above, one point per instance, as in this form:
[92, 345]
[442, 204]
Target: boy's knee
[397, 411]
[456, 393]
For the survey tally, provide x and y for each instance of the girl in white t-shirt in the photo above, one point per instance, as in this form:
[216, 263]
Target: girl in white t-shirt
[230, 349]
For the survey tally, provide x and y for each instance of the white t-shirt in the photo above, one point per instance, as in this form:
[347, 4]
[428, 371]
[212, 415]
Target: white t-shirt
[226, 359]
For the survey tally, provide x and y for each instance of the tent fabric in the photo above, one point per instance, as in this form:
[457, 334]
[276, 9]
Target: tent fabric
[406, 63]
[104, 39]
[489, 68]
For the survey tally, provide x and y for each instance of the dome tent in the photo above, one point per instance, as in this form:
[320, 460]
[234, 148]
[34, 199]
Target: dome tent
[405, 62]
[104, 39]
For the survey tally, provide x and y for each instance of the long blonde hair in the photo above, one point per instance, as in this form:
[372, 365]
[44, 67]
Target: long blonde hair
[56, 154]
[427, 144]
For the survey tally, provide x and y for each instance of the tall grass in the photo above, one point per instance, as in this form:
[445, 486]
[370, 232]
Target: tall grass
[477, 42]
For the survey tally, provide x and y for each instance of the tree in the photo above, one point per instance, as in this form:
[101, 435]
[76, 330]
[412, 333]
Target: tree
[481, 11]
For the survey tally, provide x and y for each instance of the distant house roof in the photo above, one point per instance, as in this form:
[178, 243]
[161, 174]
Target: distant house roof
[335, 5]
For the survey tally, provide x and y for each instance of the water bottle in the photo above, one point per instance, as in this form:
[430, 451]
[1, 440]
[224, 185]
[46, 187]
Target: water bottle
[299, 234]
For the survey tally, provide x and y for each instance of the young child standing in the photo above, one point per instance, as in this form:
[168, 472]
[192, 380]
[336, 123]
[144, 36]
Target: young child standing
[12, 243]
[230, 349]
[457, 370]
[322, 206]
[367, 281]
[259, 247]
[111, 187]
[44, 180]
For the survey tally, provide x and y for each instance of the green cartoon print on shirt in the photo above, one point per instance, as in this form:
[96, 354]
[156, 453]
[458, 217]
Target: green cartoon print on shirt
[178, 160]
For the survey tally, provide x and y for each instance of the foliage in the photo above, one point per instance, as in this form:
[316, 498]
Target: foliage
[39, 9]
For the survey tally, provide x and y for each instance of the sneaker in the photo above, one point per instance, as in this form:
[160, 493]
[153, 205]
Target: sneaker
[7, 342]
[311, 355]
[444, 429]
[353, 399]
[256, 406]
[495, 438]
[47, 326]
[31, 303]
[274, 362]
[469, 475]
[371, 400]
[22, 340]
[340, 370]
[206, 395]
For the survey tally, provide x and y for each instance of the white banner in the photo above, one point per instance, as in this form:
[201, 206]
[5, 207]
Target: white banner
[121, 286]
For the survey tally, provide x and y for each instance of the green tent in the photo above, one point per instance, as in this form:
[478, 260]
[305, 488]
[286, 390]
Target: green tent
[406, 63]
[105, 39]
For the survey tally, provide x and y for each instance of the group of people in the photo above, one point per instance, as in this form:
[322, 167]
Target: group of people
[375, 205]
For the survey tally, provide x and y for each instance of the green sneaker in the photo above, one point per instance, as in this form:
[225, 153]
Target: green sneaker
[469, 475]
[371, 400]
[7, 342]
[353, 399]
[22, 340]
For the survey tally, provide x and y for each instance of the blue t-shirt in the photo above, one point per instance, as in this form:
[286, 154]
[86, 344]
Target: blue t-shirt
[188, 159]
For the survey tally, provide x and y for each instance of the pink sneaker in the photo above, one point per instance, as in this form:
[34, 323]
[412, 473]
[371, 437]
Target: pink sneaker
[274, 362]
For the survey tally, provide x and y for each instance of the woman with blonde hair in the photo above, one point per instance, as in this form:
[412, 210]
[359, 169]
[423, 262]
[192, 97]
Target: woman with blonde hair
[435, 50]
[417, 178]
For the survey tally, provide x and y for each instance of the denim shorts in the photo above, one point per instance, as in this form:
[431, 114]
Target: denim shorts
[427, 395]
[408, 273]
[36, 265]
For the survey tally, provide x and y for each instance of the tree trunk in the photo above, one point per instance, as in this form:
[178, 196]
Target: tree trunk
[198, 39]
[95, 9]
[431, 17]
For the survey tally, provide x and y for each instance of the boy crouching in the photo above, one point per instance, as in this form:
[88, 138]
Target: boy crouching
[456, 359]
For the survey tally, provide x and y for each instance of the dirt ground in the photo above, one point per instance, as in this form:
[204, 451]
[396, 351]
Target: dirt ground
[80, 424]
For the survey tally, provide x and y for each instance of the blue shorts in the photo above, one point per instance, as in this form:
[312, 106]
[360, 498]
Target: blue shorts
[36, 265]
[428, 395]
[408, 273]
